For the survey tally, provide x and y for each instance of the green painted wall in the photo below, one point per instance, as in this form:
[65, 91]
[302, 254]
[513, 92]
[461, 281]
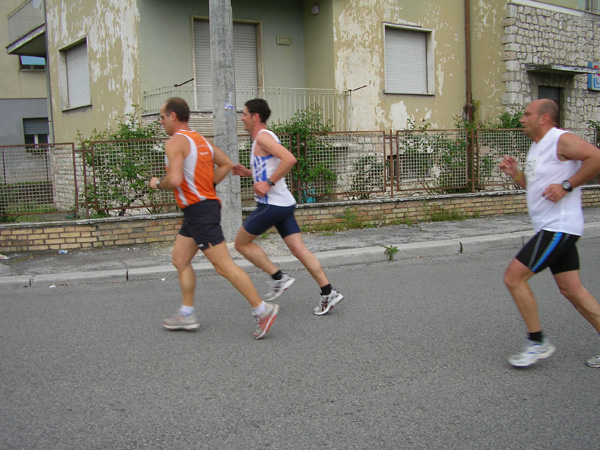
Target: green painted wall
[166, 40]
[319, 46]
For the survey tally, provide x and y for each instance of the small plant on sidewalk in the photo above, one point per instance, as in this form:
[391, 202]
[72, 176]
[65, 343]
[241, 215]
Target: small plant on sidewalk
[391, 250]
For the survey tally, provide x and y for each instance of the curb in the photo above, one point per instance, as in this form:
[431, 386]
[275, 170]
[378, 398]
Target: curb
[332, 258]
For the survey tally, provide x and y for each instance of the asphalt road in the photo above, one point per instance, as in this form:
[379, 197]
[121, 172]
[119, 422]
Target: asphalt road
[413, 358]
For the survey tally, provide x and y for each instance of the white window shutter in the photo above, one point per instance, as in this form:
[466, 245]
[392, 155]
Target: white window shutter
[245, 62]
[405, 61]
[78, 76]
[203, 65]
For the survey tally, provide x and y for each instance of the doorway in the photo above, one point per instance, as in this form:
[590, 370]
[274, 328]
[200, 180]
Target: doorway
[553, 93]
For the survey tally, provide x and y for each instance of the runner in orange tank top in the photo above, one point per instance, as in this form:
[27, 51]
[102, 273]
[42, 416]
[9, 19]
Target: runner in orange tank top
[194, 167]
[198, 172]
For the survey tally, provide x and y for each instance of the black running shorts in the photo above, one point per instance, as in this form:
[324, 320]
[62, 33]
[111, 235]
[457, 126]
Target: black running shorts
[202, 222]
[550, 249]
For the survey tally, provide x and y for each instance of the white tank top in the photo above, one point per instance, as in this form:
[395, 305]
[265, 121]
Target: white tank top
[544, 168]
[262, 169]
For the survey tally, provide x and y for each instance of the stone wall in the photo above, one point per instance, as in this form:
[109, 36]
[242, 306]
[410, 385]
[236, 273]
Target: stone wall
[154, 229]
[66, 185]
[544, 36]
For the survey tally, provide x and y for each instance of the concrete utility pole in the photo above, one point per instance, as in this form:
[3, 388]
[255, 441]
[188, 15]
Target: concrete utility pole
[224, 112]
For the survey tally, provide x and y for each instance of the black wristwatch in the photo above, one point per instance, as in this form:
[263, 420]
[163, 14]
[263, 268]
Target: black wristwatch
[270, 183]
[567, 186]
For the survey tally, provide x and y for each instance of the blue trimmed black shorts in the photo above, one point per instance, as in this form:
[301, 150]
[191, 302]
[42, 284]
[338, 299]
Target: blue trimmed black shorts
[550, 249]
[267, 216]
[202, 222]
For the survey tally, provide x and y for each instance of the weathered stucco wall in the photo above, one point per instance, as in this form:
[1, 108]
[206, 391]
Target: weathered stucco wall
[487, 58]
[110, 28]
[359, 49]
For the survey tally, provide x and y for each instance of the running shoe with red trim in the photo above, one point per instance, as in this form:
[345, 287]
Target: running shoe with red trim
[265, 320]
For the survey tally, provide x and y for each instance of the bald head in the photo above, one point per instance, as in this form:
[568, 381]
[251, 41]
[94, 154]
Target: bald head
[549, 107]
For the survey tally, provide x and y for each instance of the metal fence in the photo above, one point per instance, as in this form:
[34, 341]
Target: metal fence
[26, 180]
[111, 177]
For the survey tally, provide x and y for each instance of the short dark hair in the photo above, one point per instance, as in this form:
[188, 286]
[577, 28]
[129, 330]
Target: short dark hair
[180, 107]
[550, 107]
[260, 107]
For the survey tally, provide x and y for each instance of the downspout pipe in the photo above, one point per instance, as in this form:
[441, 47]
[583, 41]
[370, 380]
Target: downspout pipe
[468, 111]
[469, 102]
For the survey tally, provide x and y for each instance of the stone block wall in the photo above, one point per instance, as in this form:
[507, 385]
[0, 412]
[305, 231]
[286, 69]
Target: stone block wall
[544, 36]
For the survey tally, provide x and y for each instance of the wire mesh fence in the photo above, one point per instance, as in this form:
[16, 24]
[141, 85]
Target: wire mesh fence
[111, 177]
[336, 166]
[492, 146]
[116, 175]
[430, 161]
[26, 180]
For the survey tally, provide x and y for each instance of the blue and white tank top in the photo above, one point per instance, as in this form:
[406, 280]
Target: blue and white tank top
[262, 169]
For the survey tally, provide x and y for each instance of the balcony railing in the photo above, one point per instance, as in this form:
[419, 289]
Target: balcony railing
[25, 18]
[284, 102]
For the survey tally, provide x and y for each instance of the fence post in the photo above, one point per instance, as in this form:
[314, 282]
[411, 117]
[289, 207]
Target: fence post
[472, 150]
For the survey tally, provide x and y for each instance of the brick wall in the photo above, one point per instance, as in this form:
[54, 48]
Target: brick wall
[137, 230]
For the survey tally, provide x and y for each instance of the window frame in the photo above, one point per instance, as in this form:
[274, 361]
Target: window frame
[428, 59]
[592, 6]
[32, 67]
[66, 87]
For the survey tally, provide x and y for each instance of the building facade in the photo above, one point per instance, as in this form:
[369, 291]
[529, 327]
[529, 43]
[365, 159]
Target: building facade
[23, 90]
[371, 65]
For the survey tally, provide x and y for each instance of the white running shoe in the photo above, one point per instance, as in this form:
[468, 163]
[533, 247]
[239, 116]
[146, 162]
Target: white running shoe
[594, 361]
[279, 287]
[327, 302]
[181, 322]
[532, 353]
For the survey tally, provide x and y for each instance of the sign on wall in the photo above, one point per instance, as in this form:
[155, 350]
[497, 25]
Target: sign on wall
[594, 78]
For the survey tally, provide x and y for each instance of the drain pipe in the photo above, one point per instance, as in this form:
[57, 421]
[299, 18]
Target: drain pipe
[468, 111]
[469, 104]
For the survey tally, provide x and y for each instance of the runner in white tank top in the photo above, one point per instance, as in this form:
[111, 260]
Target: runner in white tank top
[271, 162]
[558, 163]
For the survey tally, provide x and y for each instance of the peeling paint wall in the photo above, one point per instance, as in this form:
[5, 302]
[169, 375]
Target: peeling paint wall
[359, 60]
[487, 62]
[111, 30]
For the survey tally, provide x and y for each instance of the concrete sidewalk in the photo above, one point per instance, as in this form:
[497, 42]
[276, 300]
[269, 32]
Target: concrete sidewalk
[333, 249]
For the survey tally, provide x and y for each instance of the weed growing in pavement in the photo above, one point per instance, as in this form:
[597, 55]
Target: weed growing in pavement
[390, 250]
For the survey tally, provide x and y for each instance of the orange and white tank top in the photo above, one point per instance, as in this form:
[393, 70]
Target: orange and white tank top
[198, 172]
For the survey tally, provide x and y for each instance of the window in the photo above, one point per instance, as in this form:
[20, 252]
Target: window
[32, 62]
[245, 61]
[408, 61]
[75, 75]
[36, 131]
[592, 6]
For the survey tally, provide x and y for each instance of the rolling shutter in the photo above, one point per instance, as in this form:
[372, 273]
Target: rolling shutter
[78, 76]
[245, 62]
[405, 61]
